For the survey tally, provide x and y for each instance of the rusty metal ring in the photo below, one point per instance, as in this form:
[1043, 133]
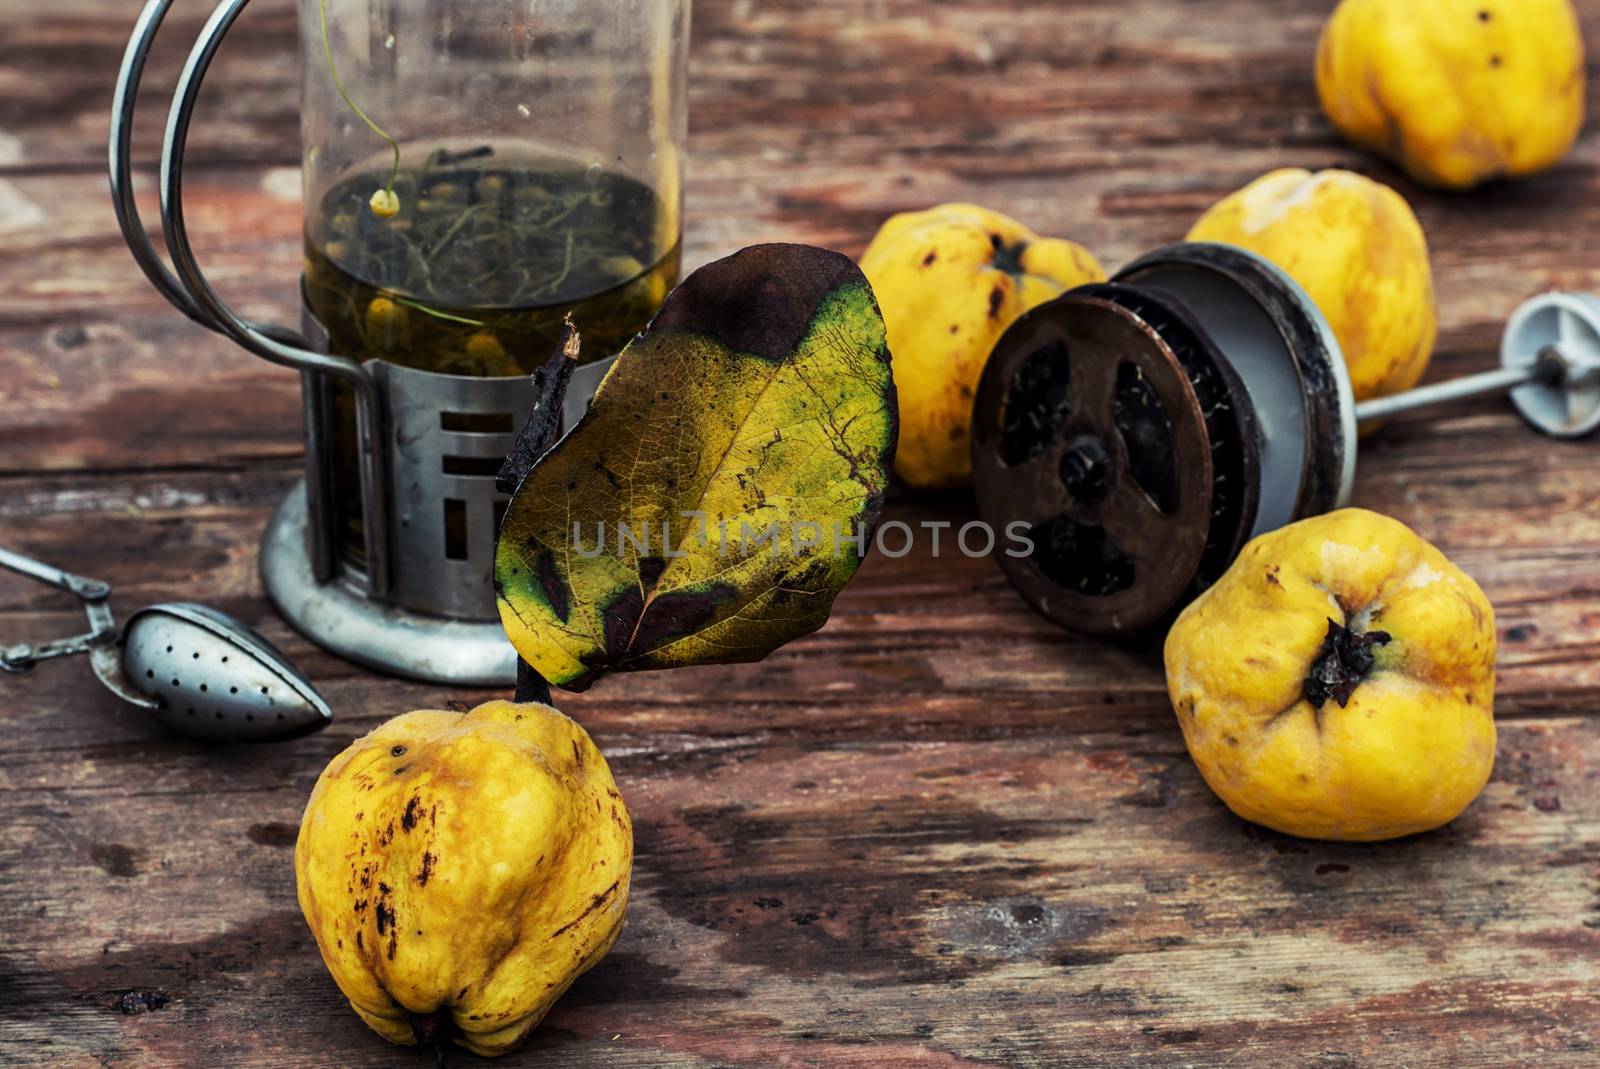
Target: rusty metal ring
[1087, 427]
[1230, 420]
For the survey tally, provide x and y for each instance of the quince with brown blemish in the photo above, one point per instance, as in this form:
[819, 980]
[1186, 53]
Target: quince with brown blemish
[1338, 681]
[1457, 92]
[949, 281]
[460, 870]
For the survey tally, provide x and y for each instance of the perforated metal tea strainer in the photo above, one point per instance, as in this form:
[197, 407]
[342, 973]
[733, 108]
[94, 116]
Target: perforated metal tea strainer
[196, 670]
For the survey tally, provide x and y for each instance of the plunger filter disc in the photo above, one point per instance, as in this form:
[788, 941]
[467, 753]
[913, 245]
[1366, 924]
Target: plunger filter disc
[1145, 429]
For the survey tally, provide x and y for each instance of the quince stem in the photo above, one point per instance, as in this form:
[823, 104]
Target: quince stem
[432, 1029]
[1344, 660]
[538, 435]
[531, 686]
[544, 426]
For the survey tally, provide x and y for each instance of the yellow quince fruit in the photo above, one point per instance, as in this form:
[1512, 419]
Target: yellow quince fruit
[1338, 681]
[1356, 248]
[949, 281]
[1455, 91]
[461, 870]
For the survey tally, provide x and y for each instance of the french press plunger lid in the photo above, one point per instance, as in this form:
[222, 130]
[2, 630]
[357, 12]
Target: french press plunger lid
[1148, 427]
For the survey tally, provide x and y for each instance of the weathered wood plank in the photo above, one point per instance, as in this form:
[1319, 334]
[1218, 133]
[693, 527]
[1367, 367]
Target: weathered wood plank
[990, 901]
[947, 638]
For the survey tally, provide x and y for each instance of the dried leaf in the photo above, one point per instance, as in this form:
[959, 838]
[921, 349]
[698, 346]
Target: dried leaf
[759, 400]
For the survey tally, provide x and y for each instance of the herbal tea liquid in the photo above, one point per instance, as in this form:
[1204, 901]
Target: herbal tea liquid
[476, 273]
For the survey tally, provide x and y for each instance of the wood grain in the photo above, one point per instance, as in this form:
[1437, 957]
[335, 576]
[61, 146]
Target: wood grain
[939, 832]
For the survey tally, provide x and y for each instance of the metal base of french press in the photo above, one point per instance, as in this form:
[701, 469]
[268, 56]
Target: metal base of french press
[338, 618]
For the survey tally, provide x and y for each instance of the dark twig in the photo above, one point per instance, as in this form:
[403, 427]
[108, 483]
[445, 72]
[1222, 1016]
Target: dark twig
[433, 1030]
[544, 426]
[531, 686]
[538, 435]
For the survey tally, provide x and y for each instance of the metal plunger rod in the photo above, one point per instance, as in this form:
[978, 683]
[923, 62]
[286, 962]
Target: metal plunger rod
[1550, 367]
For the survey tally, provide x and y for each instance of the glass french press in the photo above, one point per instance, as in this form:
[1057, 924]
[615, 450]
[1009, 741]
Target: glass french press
[473, 174]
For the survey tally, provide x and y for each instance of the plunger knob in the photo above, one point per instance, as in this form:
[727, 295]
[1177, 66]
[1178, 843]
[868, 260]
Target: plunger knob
[1086, 470]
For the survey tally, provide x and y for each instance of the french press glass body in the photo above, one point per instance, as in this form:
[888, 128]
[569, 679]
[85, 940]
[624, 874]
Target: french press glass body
[473, 174]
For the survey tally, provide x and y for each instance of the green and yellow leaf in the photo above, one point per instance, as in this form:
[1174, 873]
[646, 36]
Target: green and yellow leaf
[730, 461]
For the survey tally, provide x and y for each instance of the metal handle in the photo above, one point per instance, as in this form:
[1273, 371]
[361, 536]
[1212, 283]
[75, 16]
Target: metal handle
[1547, 369]
[1550, 361]
[123, 200]
[87, 589]
[92, 592]
[189, 291]
[22, 658]
[1554, 368]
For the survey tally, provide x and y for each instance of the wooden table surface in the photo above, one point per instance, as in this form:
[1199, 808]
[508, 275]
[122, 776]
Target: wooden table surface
[939, 832]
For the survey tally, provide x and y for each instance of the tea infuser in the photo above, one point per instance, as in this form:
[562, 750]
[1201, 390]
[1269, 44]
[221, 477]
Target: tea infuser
[1148, 427]
[196, 670]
